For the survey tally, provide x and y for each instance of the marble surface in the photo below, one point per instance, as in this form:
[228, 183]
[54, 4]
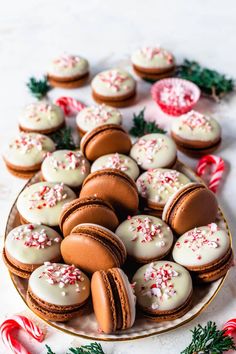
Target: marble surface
[106, 32]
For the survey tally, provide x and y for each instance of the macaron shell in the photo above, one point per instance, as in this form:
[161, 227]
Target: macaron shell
[193, 205]
[104, 140]
[120, 190]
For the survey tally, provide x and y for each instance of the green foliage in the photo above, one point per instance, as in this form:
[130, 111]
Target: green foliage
[63, 139]
[93, 348]
[142, 127]
[38, 88]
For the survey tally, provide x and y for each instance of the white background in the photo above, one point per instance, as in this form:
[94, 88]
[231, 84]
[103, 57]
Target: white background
[106, 32]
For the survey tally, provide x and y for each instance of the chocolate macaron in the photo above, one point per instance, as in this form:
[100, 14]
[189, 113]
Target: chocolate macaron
[92, 247]
[93, 116]
[157, 185]
[68, 71]
[41, 202]
[113, 300]
[87, 210]
[153, 63]
[114, 186]
[69, 167]
[105, 139]
[27, 247]
[206, 251]
[25, 153]
[145, 237]
[58, 292]
[117, 161]
[196, 134]
[191, 206]
[154, 151]
[163, 290]
[114, 87]
[41, 117]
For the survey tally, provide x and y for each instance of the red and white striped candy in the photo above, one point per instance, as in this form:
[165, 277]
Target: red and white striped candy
[230, 327]
[69, 105]
[217, 171]
[19, 322]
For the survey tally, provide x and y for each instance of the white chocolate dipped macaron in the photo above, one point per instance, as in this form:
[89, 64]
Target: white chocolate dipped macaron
[146, 238]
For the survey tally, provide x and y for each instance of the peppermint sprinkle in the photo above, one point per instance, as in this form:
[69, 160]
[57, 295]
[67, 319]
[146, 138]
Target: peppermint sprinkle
[117, 162]
[145, 230]
[33, 238]
[176, 95]
[196, 239]
[26, 142]
[61, 275]
[162, 287]
[150, 147]
[33, 111]
[98, 114]
[67, 61]
[71, 161]
[114, 80]
[195, 120]
[48, 197]
[150, 53]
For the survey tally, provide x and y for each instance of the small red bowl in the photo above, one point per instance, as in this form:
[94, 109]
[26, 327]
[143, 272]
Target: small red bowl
[175, 96]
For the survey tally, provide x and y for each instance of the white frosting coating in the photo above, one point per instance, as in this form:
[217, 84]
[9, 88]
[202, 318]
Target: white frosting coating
[152, 57]
[130, 294]
[41, 202]
[69, 167]
[154, 150]
[145, 237]
[117, 161]
[94, 116]
[41, 116]
[33, 244]
[159, 184]
[162, 285]
[28, 149]
[68, 66]
[58, 288]
[113, 83]
[201, 246]
[196, 126]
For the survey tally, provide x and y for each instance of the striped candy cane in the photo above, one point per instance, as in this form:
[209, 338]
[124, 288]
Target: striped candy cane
[217, 172]
[230, 327]
[69, 105]
[19, 322]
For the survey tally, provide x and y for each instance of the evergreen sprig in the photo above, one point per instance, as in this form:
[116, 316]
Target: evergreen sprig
[93, 348]
[211, 82]
[142, 127]
[38, 87]
[209, 340]
[63, 139]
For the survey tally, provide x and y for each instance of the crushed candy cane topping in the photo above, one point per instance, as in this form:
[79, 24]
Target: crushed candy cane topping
[34, 111]
[98, 114]
[34, 238]
[196, 120]
[196, 239]
[160, 181]
[48, 197]
[150, 53]
[176, 95]
[70, 161]
[62, 275]
[162, 287]
[67, 61]
[114, 80]
[145, 230]
[150, 147]
[26, 142]
[117, 162]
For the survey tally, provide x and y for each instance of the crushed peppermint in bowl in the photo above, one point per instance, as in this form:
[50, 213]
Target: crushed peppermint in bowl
[175, 96]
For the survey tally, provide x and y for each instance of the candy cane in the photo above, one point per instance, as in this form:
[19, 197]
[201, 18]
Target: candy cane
[19, 322]
[69, 105]
[230, 327]
[217, 172]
